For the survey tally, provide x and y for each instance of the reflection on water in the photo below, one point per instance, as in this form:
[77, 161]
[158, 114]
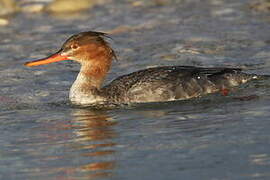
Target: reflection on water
[79, 148]
[94, 134]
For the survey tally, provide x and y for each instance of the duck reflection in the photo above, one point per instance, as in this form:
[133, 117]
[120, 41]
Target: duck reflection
[94, 137]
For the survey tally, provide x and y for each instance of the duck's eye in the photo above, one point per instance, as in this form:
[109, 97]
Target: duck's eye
[74, 46]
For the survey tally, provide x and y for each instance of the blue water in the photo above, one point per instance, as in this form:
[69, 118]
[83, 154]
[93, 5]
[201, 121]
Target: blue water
[214, 137]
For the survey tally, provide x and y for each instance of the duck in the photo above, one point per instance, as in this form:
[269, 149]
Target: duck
[157, 84]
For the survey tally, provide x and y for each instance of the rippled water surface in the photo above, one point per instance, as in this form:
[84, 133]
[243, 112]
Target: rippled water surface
[214, 137]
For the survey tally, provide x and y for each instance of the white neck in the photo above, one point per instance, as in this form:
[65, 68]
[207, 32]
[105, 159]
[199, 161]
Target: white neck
[85, 89]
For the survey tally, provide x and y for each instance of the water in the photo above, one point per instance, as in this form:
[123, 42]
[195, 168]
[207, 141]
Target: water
[214, 137]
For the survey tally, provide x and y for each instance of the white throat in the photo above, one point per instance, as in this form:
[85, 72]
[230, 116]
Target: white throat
[82, 92]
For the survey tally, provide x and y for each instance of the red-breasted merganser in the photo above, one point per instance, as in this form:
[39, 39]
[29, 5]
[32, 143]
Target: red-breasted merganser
[156, 84]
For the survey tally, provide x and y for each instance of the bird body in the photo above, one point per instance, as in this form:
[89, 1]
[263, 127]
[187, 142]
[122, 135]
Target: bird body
[159, 84]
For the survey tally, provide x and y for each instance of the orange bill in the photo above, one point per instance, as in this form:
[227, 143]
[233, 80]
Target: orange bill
[53, 58]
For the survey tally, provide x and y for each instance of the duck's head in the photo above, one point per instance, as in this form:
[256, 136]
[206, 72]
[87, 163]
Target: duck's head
[85, 48]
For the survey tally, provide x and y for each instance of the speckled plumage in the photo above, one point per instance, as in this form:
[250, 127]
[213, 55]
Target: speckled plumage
[172, 83]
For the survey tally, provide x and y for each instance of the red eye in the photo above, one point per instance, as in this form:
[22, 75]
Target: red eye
[74, 46]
